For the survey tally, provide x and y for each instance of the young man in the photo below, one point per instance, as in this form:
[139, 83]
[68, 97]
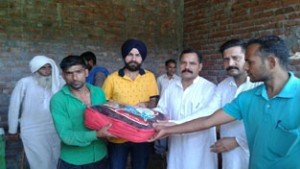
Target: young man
[30, 99]
[268, 111]
[182, 99]
[169, 77]
[80, 147]
[131, 85]
[97, 74]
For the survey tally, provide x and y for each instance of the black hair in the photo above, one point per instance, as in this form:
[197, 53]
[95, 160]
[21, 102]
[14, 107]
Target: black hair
[198, 53]
[87, 56]
[170, 61]
[233, 43]
[272, 44]
[70, 61]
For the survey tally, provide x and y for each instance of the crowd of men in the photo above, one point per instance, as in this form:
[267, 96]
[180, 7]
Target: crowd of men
[253, 109]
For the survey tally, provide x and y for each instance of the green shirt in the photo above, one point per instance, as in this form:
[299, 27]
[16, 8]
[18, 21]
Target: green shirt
[79, 145]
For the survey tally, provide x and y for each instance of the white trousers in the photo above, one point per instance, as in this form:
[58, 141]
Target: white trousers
[42, 150]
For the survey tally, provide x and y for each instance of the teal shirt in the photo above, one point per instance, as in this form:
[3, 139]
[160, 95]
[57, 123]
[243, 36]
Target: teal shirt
[272, 125]
[79, 144]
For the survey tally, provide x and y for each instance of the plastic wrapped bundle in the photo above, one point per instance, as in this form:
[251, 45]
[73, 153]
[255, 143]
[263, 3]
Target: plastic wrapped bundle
[128, 122]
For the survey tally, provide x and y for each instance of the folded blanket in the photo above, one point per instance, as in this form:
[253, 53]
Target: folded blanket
[128, 122]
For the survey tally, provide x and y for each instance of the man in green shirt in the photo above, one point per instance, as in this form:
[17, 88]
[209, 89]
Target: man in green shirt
[80, 147]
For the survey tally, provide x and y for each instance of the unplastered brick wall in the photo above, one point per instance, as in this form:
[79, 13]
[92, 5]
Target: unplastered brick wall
[208, 24]
[57, 28]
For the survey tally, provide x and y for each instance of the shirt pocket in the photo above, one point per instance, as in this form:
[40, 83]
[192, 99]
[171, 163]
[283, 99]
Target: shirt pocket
[283, 140]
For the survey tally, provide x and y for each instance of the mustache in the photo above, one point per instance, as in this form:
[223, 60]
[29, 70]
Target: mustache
[133, 62]
[186, 70]
[232, 67]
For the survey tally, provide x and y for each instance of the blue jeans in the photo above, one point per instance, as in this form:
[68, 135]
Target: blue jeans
[118, 154]
[102, 164]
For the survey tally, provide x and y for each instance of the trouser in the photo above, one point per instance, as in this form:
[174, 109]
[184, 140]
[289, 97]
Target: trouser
[118, 155]
[102, 164]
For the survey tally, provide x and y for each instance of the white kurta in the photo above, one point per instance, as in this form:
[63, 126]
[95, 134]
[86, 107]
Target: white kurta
[40, 140]
[227, 90]
[189, 151]
[163, 82]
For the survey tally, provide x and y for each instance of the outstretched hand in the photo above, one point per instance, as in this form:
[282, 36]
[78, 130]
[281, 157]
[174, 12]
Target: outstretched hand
[162, 130]
[103, 132]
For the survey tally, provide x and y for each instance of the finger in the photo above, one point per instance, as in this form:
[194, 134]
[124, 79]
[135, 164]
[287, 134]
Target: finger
[107, 126]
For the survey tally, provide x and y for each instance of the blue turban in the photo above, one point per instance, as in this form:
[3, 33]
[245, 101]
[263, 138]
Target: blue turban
[134, 43]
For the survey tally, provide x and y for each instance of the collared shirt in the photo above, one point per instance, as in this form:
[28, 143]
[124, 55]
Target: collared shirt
[164, 81]
[226, 91]
[272, 125]
[80, 145]
[122, 89]
[189, 150]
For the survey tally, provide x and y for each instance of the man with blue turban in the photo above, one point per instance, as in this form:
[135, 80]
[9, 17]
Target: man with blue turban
[134, 86]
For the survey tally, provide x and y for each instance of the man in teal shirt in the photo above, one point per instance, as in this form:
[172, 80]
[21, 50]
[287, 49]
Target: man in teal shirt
[80, 147]
[272, 122]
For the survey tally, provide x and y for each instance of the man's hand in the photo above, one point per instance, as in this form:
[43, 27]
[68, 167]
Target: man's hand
[162, 124]
[224, 144]
[162, 133]
[142, 104]
[162, 129]
[103, 132]
[12, 137]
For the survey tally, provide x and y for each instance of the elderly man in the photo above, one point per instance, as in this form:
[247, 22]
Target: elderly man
[30, 100]
[131, 85]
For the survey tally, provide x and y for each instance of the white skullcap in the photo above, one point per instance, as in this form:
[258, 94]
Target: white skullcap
[39, 61]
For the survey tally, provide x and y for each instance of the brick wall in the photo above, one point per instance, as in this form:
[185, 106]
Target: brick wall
[57, 28]
[208, 24]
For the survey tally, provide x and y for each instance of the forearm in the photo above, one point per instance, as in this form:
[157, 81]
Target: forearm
[188, 127]
[218, 118]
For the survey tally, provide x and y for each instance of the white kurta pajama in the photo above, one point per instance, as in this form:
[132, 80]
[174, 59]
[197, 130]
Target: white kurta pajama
[227, 90]
[163, 82]
[189, 151]
[31, 102]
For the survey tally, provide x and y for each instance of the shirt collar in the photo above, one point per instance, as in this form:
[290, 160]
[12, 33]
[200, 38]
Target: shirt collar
[179, 83]
[286, 91]
[66, 89]
[232, 82]
[122, 73]
[167, 77]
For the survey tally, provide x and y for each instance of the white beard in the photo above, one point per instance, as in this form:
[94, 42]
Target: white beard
[43, 81]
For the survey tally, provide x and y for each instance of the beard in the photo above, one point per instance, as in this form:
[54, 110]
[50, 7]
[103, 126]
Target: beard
[133, 66]
[43, 81]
